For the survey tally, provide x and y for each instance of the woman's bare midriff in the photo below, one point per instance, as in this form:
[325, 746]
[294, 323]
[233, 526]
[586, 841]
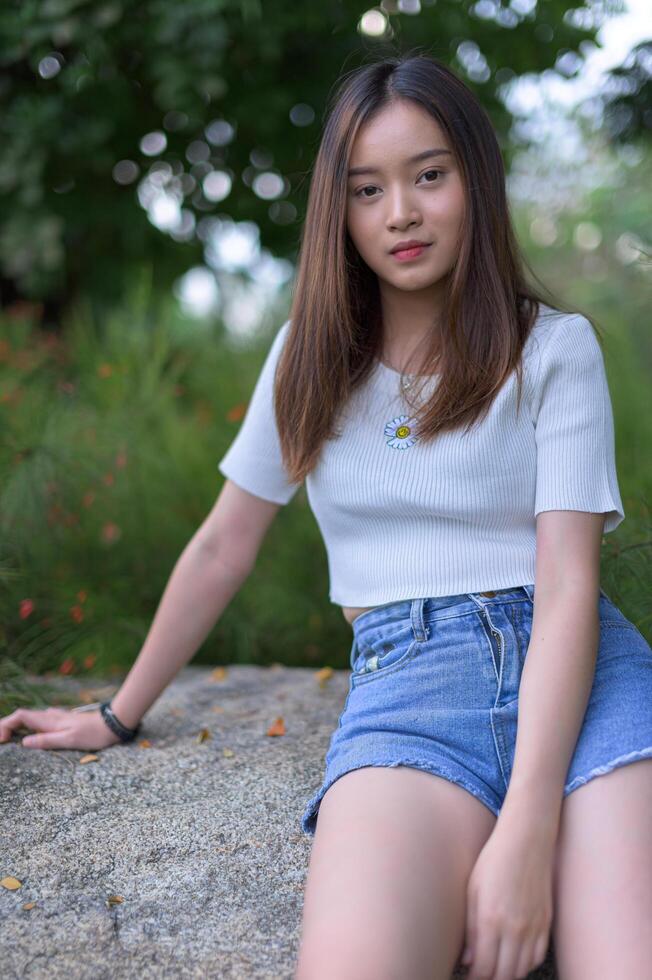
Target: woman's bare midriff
[350, 614]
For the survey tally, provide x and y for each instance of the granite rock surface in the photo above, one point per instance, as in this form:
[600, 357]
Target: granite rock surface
[183, 857]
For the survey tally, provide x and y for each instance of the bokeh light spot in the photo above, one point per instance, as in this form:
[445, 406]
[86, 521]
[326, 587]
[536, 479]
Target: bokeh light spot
[153, 143]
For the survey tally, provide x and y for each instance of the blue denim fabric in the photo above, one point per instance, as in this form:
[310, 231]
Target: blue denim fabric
[434, 685]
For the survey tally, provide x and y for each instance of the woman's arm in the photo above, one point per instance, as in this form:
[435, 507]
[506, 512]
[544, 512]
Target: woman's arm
[559, 669]
[209, 572]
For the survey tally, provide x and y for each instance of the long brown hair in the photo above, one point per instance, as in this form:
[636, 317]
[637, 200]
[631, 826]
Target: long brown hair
[335, 330]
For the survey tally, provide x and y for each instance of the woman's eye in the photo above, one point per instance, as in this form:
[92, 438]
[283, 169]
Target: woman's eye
[440, 172]
[361, 191]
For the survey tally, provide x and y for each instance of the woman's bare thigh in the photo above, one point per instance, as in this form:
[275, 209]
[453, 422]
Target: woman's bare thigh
[385, 895]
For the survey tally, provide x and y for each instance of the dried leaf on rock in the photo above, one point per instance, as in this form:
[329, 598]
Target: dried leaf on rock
[277, 727]
[11, 883]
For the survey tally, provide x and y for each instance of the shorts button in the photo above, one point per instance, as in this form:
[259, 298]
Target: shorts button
[488, 594]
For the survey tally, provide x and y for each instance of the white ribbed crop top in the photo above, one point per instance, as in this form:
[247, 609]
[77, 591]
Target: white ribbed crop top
[405, 519]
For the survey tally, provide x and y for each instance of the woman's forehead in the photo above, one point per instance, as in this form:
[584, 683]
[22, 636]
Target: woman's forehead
[401, 132]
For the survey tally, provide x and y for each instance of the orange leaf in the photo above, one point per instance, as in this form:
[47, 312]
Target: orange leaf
[203, 735]
[218, 674]
[145, 743]
[88, 758]
[228, 753]
[114, 900]
[277, 727]
[323, 676]
[29, 905]
[11, 883]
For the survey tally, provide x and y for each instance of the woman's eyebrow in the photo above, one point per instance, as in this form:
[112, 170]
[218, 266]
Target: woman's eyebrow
[355, 171]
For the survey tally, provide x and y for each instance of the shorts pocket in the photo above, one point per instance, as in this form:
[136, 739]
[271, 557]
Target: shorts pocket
[384, 655]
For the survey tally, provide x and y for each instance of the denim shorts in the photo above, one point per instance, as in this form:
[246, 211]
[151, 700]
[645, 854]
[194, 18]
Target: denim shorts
[434, 685]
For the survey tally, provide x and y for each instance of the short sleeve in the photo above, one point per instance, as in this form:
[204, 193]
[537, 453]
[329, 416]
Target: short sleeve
[574, 426]
[253, 460]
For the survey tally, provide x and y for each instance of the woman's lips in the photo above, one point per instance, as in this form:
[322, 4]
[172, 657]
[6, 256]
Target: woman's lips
[404, 255]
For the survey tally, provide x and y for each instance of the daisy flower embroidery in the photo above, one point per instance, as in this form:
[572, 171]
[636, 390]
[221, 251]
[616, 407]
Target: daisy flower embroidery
[400, 432]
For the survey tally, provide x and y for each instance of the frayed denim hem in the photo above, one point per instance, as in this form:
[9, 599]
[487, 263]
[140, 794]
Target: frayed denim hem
[621, 760]
[309, 818]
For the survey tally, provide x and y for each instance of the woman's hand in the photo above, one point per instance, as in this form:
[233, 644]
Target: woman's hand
[59, 728]
[509, 908]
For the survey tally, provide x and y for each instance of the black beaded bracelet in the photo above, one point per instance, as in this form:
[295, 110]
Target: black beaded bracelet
[124, 734]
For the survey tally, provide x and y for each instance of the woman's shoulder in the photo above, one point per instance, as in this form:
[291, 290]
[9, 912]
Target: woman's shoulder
[558, 333]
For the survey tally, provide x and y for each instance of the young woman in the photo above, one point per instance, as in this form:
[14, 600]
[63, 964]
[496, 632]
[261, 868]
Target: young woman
[462, 507]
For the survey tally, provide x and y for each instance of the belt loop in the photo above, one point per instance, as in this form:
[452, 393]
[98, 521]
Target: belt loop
[529, 591]
[419, 628]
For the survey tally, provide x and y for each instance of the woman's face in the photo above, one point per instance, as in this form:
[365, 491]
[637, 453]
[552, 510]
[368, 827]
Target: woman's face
[400, 199]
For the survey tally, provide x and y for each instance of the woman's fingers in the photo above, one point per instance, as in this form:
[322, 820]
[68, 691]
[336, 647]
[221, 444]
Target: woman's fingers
[59, 728]
[44, 720]
[50, 740]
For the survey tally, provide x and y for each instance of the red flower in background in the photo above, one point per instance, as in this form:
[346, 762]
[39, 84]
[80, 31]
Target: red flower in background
[26, 608]
[111, 532]
[237, 412]
[76, 613]
[67, 666]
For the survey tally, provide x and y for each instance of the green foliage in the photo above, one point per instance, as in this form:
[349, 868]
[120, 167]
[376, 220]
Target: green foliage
[108, 458]
[119, 70]
[108, 438]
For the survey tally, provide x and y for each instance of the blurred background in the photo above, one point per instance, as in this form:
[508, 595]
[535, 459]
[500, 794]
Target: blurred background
[154, 166]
